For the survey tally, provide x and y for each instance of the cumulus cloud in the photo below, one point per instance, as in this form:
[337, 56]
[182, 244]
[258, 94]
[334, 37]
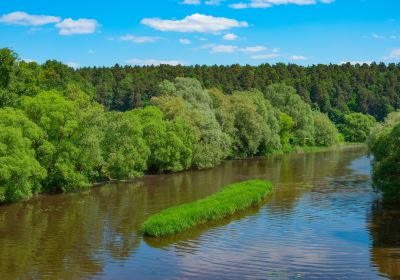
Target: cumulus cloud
[270, 3]
[266, 56]
[377, 36]
[194, 23]
[73, 65]
[253, 49]
[214, 2]
[190, 2]
[354, 62]
[185, 41]
[230, 37]
[80, 26]
[22, 18]
[231, 49]
[137, 61]
[298, 57]
[139, 39]
[198, 2]
[223, 49]
[393, 55]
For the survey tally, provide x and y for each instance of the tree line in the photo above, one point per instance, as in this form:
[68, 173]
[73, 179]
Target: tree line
[61, 129]
[384, 144]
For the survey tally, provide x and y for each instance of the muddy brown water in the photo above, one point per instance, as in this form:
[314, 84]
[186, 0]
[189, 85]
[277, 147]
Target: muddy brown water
[323, 221]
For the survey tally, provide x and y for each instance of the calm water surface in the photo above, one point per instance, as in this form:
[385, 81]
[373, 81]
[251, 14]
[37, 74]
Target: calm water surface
[322, 222]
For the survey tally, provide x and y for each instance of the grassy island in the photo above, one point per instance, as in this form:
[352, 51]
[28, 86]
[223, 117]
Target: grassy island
[230, 199]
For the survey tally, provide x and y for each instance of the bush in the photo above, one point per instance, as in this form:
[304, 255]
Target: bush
[326, 133]
[357, 127]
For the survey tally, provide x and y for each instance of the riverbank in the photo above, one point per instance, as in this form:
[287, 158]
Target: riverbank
[295, 150]
[317, 149]
[230, 199]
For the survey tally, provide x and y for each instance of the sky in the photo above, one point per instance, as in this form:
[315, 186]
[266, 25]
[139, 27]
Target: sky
[103, 33]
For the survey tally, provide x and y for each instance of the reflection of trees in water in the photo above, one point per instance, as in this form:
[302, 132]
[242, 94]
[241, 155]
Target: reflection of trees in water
[74, 236]
[384, 230]
[62, 237]
[296, 174]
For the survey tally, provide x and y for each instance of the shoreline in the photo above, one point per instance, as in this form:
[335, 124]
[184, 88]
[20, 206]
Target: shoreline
[296, 150]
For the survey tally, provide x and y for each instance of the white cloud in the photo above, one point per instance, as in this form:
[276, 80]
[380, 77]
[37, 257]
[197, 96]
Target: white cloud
[266, 56]
[139, 39]
[393, 55]
[231, 48]
[190, 2]
[377, 36]
[91, 51]
[223, 49]
[239, 6]
[356, 62]
[214, 2]
[22, 18]
[253, 49]
[230, 37]
[298, 57]
[137, 61]
[80, 26]
[276, 50]
[185, 41]
[194, 23]
[28, 60]
[270, 3]
[198, 2]
[73, 65]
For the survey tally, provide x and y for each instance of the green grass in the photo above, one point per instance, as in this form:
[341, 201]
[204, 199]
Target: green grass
[226, 202]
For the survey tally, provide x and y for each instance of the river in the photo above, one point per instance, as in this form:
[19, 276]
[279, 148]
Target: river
[323, 221]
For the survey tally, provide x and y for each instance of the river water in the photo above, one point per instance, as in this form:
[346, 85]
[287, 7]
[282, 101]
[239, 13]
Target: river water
[323, 221]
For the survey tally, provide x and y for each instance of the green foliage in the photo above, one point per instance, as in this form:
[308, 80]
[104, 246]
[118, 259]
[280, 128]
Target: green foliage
[125, 150]
[357, 127]
[326, 133]
[72, 123]
[385, 146]
[248, 125]
[226, 202]
[186, 100]
[170, 141]
[286, 131]
[7, 61]
[20, 172]
[73, 154]
[285, 99]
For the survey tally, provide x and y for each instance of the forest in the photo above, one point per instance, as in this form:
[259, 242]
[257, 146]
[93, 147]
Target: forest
[63, 129]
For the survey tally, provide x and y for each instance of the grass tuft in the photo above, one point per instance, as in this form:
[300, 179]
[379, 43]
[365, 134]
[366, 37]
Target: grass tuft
[230, 199]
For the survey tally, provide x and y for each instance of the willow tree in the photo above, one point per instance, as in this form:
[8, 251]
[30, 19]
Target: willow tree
[124, 149]
[186, 99]
[73, 156]
[170, 141]
[385, 146]
[20, 172]
[286, 100]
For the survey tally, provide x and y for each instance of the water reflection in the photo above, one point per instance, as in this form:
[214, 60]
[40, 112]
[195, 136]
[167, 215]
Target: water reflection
[310, 227]
[385, 235]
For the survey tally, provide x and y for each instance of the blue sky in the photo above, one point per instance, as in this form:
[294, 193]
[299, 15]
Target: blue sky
[102, 33]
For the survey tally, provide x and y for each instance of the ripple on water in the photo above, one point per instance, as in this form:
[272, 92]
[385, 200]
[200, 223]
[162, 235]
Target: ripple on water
[318, 224]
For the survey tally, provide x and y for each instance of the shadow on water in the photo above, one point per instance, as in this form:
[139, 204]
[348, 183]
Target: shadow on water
[384, 228]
